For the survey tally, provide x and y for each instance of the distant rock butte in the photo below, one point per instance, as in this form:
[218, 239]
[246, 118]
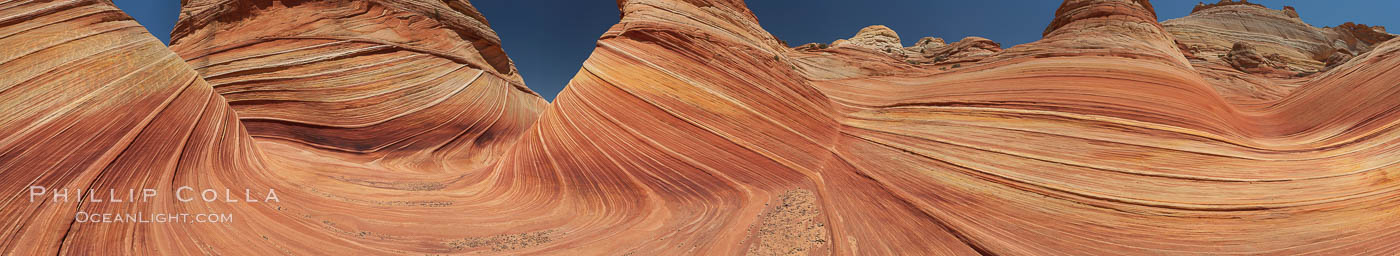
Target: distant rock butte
[400, 127]
[878, 38]
[927, 50]
[970, 49]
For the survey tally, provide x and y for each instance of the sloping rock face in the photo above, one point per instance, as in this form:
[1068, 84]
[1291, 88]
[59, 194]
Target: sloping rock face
[1212, 29]
[385, 79]
[692, 131]
[92, 102]
[1101, 138]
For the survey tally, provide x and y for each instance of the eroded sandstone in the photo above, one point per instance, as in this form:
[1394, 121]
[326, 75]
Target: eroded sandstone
[690, 130]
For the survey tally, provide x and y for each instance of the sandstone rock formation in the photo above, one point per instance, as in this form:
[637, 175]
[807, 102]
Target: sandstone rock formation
[1202, 6]
[1101, 139]
[1212, 29]
[970, 49]
[926, 43]
[1295, 48]
[383, 79]
[1244, 57]
[928, 50]
[92, 102]
[878, 38]
[689, 131]
[1361, 34]
[812, 47]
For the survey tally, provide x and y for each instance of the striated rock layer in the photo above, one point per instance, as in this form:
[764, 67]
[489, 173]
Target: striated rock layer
[93, 102]
[1211, 31]
[1103, 139]
[1252, 53]
[411, 82]
[689, 131]
[878, 38]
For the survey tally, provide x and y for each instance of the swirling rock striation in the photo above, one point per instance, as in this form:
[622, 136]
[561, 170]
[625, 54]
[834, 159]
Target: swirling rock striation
[93, 104]
[1102, 138]
[688, 131]
[386, 79]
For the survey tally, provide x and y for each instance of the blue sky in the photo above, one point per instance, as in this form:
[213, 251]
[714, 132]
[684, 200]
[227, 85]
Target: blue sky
[158, 16]
[549, 39]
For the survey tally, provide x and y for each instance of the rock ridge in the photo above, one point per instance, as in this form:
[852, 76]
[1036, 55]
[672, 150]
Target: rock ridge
[882, 40]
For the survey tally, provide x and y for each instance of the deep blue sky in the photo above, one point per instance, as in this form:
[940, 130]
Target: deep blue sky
[549, 39]
[158, 16]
